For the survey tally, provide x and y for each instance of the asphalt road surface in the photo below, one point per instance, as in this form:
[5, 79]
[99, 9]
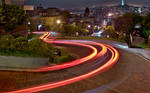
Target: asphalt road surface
[130, 75]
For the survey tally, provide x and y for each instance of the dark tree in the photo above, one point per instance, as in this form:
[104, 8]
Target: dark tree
[87, 12]
[126, 24]
[66, 15]
[11, 17]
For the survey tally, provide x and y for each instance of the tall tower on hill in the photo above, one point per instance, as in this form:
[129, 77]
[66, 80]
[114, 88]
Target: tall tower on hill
[122, 2]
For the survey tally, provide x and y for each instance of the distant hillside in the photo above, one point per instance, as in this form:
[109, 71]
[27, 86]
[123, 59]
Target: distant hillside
[84, 3]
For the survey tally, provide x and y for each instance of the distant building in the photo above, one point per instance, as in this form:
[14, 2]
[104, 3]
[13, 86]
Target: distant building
[13, 2]
[18, 2]
[28, 7]
[51, 11]
[8, 2]
[40, 7]
[45, 19]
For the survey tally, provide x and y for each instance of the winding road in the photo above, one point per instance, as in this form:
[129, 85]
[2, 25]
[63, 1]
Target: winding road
[82, 77]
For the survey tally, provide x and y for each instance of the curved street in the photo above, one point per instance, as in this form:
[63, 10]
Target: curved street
[76, 46]
[129, 75]
[130, 70]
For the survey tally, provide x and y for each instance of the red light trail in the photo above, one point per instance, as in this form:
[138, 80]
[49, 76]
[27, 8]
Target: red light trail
[114, 58]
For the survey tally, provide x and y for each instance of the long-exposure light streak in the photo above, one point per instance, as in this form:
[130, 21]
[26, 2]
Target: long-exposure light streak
[114, 58]
[75, 62]
[68, 64]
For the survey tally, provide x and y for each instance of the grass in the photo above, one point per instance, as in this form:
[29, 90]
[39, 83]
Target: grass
[18, 53]
[65, 56]
[32, 36]
[143, 45]
[93, 38]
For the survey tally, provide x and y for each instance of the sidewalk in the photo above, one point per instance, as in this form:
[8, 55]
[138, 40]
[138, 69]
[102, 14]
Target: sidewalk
[22, 63]
[139, 51]
[142, 52]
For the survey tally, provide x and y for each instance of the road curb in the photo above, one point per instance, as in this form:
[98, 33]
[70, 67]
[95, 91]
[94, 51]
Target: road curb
[13, 63]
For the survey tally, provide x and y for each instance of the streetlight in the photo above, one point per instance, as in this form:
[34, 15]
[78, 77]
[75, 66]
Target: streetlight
[89, 26]
[110, 14]
[39, 27]
[58, 21]
[29, 23]
[29, 27]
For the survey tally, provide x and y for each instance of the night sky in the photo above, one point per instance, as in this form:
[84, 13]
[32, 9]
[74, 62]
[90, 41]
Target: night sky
[83, 3]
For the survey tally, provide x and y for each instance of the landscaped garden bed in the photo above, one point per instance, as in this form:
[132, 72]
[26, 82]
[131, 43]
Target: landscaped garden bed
[22, 48]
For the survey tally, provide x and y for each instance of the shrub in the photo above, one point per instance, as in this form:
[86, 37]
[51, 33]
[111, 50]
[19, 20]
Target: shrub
[39, 47]
[31, 36]
[20, 46]
[68, 29]
[36, 47]
[61, 59]
[6, 42]
[109, 31]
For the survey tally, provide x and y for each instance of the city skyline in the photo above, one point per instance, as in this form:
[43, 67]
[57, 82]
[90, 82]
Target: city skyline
[86, 3]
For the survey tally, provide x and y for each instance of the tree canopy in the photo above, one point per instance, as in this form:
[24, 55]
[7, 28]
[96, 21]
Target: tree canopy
[66, 15]
[127, 22]
[11, 17]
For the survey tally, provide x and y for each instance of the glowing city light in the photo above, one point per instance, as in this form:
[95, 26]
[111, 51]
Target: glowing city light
[58, 21]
